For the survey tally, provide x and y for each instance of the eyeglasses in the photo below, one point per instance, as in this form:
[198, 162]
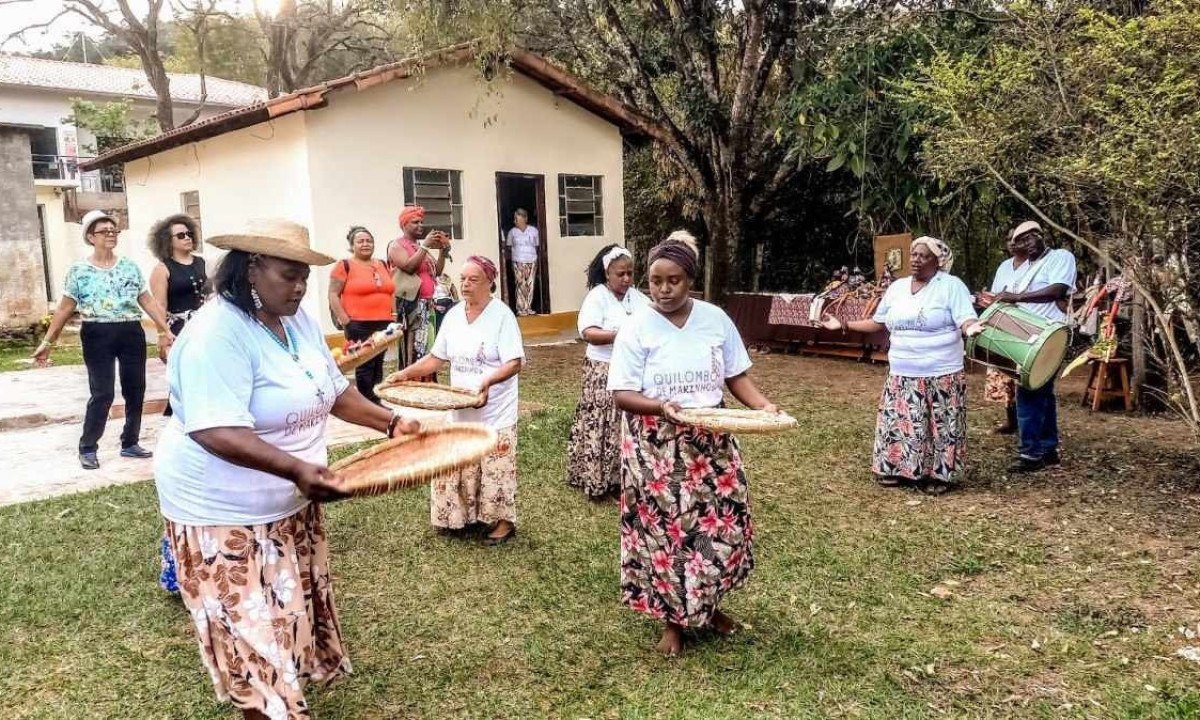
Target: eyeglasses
[107, 233]
[184, 234]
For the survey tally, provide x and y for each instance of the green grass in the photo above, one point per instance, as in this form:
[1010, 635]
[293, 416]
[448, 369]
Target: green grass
[841, 622]
[15, 353]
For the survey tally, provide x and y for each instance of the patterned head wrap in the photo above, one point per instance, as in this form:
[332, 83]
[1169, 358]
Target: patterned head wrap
[679, 248]
[487, 266]
[410, 213]
[940, 250]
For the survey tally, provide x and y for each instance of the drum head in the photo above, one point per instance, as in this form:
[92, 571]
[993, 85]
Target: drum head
[1048, 358]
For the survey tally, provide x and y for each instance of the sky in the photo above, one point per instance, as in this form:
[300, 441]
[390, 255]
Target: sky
[18, 14]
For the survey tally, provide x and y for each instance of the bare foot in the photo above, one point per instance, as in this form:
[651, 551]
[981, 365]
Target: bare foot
[500, 533]
[722, 624]
[671, 643]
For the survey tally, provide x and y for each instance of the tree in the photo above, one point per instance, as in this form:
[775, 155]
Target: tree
[1091, 119]
[303, 39]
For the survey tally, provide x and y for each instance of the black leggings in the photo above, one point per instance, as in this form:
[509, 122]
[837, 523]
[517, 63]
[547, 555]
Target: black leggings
[107, 346]
[370, 373]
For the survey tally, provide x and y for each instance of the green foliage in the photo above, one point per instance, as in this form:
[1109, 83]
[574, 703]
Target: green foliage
[112, 123]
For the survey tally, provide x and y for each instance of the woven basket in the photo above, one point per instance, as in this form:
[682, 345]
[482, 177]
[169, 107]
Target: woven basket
[349, 362]
[412, 460]
[426, 396]
[740, 421]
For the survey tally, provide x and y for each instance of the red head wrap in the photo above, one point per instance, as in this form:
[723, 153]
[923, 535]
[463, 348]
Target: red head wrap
[410, 213]
[487, 266]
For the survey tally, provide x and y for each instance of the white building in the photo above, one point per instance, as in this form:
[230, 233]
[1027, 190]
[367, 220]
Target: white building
[35, 102]
[354, 151]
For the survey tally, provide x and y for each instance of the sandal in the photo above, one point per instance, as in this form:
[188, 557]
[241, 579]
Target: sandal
[936, 487]
[888, 480]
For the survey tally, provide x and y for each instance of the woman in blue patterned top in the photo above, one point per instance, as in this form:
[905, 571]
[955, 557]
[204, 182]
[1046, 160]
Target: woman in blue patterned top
[109, 293]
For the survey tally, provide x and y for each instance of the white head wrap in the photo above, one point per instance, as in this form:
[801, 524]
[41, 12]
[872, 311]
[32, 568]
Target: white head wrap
[939, 249]
[613, 254]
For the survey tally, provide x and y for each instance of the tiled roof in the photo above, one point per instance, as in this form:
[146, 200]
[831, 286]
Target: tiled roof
[535, 67]
[123, 82]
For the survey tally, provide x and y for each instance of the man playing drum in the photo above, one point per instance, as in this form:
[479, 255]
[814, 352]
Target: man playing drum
[1042, 284]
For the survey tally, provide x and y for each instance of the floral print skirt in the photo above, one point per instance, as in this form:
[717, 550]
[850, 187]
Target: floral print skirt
[261, 601]
[921, 429]
[484, 493]
[1000, 388]
[686, 533]
[594, 452]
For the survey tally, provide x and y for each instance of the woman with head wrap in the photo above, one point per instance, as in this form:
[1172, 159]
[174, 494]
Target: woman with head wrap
[686, 531]
[414, 273]
[593, 453]
[482, 342]
[921, 429]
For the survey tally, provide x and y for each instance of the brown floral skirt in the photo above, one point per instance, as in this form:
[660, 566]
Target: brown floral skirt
[594, 450]
[484, 493]
[1000, 388]
[261, 601]
[921, 429]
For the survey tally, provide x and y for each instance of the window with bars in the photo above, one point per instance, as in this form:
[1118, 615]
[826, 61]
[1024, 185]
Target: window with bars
[580, 205]
[440, 193]
[189, 204]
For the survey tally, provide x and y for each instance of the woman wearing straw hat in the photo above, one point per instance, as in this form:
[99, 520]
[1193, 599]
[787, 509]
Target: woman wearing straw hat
[921, 429]
[686, 531]
[241, 473]
[109, 293]
[593, 452]
[482, 342]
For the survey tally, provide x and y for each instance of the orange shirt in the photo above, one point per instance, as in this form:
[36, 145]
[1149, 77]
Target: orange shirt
[367, 294]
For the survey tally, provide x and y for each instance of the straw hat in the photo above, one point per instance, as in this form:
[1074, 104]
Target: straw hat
[273, 237]
[1027, 226]
[93, 217]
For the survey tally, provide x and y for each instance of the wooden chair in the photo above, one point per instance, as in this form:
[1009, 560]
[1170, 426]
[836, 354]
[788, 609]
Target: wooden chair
[1107, 380]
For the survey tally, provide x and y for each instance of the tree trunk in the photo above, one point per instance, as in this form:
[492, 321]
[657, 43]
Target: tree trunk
[723, 219]
[1138, 349]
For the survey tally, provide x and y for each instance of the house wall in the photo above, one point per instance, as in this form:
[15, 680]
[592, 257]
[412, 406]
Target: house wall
[22, 283]
[64, 243]
[358, 146]
[260, 171]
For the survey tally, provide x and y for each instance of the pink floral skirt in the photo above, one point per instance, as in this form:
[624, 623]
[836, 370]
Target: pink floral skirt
[921, 429]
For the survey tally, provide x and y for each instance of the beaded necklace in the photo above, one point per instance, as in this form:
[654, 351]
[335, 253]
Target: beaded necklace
[290, 347]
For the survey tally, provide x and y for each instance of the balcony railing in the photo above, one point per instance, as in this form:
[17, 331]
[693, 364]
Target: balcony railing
[64, 167]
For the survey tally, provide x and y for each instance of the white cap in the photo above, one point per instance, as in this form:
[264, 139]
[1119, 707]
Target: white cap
[93, 217]
[1023, 228]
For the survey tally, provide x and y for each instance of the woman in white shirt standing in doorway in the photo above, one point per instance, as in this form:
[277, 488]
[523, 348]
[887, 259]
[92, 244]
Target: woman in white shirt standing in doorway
[482, 342]
[523, 241]
[921, 430]
[593, 452]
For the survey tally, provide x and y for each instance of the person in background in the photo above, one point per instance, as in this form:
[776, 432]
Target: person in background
[1002, 387]
[921, 428]
[109, 293]
[414, 274]
[179, 282]
[1043, 285]
[481, 341]
[523, 242]
[361, 291]
[593, 451]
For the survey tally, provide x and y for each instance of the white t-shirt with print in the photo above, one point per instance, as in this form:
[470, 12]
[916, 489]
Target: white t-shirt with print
[476, 350]
[226, 370]
[1056, 267]
[524, 244]
[926, 334]
[601, 309]
[687, 365]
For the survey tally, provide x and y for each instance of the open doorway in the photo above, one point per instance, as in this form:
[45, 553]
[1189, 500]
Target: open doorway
[526, 192]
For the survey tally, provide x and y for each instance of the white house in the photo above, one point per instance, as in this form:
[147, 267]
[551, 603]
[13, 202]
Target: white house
[44, 152]
[354, 151]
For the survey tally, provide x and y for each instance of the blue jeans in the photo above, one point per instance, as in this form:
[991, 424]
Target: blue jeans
[1037, 421]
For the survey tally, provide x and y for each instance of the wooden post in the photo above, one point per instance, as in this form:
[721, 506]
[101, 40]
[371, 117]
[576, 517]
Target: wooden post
[1138, 349]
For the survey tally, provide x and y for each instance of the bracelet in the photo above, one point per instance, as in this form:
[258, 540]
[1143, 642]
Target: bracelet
[391, 428]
